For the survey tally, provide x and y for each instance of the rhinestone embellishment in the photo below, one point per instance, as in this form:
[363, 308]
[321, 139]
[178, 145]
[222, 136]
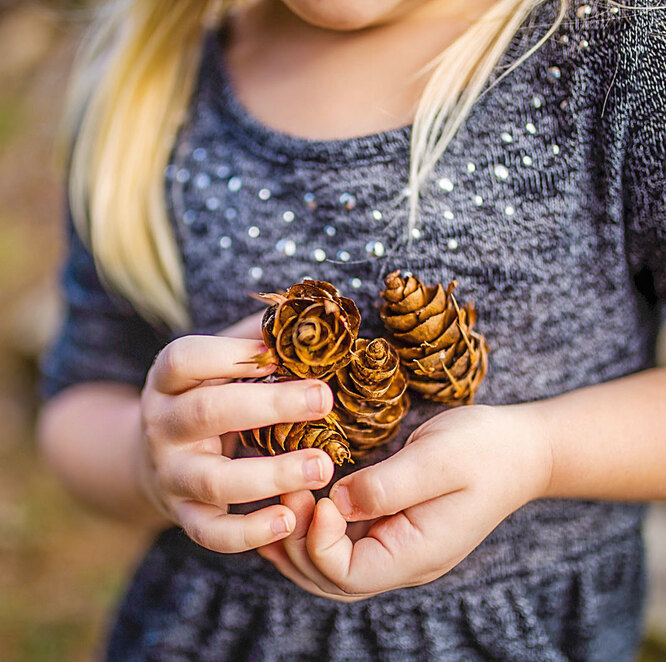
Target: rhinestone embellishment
[343, 256]
[310, 201]
[183, 176]
[202, 180]
[583, 11]
[375, 248]
[286, 246]
[348, 201]
[446, 184]
[501, 172]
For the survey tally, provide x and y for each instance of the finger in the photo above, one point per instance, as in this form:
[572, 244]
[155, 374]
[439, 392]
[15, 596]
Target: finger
[191, 360]
[214, 410]
[410, 548]
[217, 480]
[276, 554]
[214, 529]
[417, 473]
[369, 565]
[302, 504]
[250, 327]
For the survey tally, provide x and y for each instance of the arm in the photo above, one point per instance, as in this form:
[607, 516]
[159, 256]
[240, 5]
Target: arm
[89, 436]
[608, 441]
[466, 470]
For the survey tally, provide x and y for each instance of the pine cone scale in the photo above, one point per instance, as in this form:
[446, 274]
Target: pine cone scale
[371, 397]
[310, 329]
[446, 360]
[285, 437]
[430, 329]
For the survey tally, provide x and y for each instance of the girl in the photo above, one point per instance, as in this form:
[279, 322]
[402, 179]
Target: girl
[517, 145]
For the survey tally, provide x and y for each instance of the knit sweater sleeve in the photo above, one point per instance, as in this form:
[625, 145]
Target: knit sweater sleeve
[645, 162]
[101, 337]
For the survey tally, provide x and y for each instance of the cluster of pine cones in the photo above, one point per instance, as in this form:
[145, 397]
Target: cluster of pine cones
[312, 332]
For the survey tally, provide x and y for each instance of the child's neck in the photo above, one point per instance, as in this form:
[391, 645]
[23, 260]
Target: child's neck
[325, 84]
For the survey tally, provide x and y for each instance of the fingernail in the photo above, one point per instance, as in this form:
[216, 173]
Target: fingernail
[341, 499]
[314, 396]
[280, 525]
[313, 470]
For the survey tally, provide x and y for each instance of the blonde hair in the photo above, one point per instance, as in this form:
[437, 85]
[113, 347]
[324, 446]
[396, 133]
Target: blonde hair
[131, 93]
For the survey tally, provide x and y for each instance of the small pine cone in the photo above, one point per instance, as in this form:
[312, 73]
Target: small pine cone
[446, 360]
[283, 437]
[310, 330]
[370, 395]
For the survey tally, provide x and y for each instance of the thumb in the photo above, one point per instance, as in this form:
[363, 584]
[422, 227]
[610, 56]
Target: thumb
[415, 474]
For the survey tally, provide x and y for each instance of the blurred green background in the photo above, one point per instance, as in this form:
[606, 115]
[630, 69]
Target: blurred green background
[61, 568]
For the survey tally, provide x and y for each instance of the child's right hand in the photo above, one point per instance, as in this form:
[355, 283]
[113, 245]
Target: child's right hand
[187, 403]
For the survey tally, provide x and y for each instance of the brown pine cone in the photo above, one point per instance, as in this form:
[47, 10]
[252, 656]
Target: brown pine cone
[283, 437]
[370, 395]
[446, 360]
[310, 330]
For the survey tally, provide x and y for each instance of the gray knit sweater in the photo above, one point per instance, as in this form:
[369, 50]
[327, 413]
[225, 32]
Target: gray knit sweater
[549, 209]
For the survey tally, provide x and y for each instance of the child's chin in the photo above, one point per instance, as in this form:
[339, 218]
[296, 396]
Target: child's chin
[342, 14]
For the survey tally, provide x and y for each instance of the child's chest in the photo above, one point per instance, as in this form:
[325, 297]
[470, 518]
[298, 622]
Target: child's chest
[524, 210]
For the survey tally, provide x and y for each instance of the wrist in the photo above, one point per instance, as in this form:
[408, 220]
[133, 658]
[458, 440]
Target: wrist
[535, 444]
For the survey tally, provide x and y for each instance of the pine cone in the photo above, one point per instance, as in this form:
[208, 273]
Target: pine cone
[370, 395]
[446, 360]
[282, 437]
[310, 330]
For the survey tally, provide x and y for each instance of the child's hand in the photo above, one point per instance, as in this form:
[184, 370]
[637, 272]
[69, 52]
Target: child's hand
[186, 405]
[462, 473]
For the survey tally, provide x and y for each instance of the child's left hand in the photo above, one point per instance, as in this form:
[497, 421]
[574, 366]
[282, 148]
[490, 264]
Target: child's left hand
[433, 502]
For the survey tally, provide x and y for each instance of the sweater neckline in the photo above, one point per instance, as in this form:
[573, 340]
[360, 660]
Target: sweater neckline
[284, 147]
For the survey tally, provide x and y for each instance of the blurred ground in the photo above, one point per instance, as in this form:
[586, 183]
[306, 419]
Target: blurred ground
[62, 569]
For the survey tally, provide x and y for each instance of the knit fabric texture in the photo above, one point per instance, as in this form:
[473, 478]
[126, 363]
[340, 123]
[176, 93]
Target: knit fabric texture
[548, 207]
